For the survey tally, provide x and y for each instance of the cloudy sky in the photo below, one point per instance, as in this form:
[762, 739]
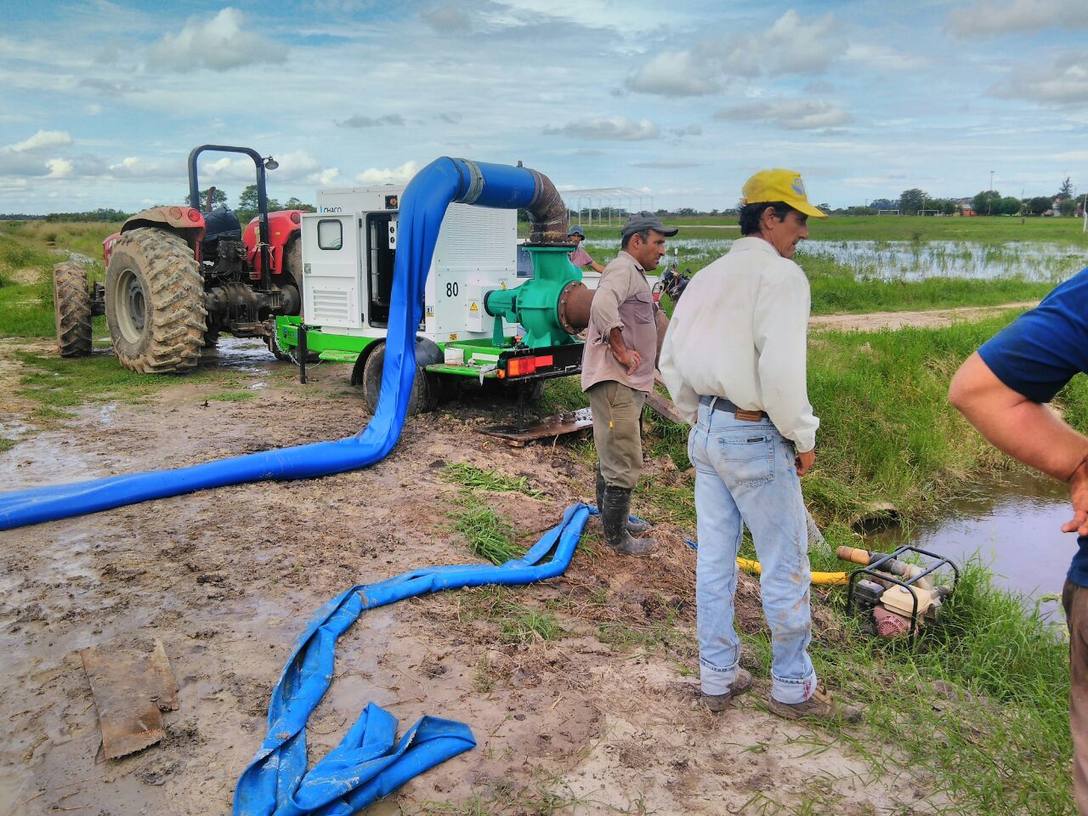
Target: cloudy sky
[100, 102]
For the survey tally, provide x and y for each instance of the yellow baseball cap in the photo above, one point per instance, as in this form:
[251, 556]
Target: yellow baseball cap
[779, 185]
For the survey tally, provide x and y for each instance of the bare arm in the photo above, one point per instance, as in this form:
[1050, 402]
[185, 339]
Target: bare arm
[626, 357]
[1025, 430]
[596, 267]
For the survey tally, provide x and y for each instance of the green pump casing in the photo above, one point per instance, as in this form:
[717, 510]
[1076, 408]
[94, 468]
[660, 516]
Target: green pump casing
[535, 303]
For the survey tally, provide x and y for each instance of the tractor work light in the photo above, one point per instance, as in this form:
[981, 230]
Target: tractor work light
[270, 163]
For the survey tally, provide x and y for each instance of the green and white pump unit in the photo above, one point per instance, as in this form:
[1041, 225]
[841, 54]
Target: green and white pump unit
[482, 319]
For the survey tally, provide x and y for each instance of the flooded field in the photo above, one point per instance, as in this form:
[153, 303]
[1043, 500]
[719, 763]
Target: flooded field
[900, 260]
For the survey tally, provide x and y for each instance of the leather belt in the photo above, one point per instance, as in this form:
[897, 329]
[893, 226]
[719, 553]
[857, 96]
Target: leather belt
[723, 404]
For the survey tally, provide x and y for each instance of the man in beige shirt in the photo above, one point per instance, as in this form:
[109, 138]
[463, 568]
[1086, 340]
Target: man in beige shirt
[618, 372]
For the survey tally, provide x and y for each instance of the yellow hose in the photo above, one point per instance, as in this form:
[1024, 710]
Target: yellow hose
[820, 578]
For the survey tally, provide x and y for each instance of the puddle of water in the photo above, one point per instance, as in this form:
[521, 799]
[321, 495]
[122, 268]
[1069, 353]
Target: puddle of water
[106, 412]
[1013, 526]
[902, 260]
[243, 354]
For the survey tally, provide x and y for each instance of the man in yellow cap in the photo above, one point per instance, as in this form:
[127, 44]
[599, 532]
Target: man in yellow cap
[734, 360]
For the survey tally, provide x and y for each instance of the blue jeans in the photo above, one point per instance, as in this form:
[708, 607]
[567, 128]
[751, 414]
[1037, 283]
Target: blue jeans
[745, 475]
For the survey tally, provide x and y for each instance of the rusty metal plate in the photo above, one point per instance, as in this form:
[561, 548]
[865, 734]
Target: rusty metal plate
[548, 428]
[131, 682]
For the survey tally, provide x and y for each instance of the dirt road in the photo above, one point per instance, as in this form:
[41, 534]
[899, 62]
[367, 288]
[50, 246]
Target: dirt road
[589, 723]
[927, 319]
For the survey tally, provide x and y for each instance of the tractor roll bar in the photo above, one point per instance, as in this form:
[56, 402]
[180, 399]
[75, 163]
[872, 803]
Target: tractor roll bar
[262, 197]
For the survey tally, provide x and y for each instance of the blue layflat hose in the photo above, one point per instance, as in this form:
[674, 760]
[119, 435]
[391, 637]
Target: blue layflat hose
[423, 207]
[368, 763]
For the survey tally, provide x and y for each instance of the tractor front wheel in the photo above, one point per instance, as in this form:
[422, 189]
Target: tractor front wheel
[72, 309]
[155, 302]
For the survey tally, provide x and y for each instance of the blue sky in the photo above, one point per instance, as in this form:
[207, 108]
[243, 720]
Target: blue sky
[100, 102]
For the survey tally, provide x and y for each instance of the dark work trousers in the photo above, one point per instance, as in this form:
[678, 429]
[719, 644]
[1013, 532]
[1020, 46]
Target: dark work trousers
[1075, 601]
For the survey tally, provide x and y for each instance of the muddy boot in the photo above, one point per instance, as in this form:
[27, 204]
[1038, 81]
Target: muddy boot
[616, 506]
[719, 702]
[819, 706]
[634, 527]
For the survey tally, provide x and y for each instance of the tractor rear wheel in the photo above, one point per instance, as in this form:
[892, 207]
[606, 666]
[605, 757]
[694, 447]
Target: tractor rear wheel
[72, 309]
[425, 387]
[155, 302]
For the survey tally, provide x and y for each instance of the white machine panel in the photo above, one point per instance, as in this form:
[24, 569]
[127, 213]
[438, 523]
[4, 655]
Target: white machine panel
[476, 252]
[331, 275]
[359, 199]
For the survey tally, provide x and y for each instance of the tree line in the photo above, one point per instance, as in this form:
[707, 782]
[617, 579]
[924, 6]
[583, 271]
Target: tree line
[985, 202]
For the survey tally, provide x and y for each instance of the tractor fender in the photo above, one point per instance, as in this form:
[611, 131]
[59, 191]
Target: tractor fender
[283, 226]
[187, 222]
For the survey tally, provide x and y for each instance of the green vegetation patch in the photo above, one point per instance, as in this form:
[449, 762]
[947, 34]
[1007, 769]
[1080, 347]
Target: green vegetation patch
[489, 535]
[471, 476]
[233, 396]
[56, 382]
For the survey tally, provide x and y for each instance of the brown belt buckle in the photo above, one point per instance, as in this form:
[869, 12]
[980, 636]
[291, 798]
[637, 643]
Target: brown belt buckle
[748, 416]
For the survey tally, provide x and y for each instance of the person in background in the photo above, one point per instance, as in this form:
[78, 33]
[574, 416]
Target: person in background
[618, 363]
[1002, 389]
[579, 257]
[734, 360]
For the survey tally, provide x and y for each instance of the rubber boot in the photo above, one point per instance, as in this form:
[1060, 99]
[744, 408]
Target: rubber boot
[615, 507]
[634, 527]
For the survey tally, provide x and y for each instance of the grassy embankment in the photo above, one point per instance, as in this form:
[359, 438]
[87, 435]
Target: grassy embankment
[994, 738]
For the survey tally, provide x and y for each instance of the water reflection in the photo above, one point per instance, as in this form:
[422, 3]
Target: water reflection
[900, 260]
[1014, 526]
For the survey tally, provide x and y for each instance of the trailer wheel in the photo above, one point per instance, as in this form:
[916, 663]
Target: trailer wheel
[72, 309]
[155, 302]
[425, 387]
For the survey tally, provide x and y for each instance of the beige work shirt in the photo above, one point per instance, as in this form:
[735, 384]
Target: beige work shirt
[623, 300]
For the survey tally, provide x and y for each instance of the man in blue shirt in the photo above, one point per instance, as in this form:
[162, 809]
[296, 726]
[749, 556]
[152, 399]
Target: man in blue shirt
[1002, 389]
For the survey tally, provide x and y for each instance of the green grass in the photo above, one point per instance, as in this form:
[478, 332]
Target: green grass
[488, 535]
[28, 252]
[233, 396]
[58, 383]
[468, 475]
[7, 444]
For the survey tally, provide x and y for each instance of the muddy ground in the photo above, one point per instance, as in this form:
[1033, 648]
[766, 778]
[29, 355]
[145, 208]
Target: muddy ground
[227, 579]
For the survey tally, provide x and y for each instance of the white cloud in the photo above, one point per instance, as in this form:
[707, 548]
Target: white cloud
[792, 114]
[361, 121]
[59, 168]
[618, 128]
[1066, 83]
[134, 167]
[789, 46]
[446, 19]
[226, 41]
[40, 140]
[389, 175]
[883, 58]
[673, 73]
[988, 19]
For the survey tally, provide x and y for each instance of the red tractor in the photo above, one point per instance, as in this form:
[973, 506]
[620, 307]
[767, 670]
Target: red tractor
[177, 277]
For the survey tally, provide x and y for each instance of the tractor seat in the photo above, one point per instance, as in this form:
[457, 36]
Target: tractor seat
[221, 223]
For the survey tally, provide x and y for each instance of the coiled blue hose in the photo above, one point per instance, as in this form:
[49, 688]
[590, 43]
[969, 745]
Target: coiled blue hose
[368, 764]
[423, 206]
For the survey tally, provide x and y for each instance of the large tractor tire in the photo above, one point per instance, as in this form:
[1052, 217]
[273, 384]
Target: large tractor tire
[425, 387]
[155, 302]
[72, 309]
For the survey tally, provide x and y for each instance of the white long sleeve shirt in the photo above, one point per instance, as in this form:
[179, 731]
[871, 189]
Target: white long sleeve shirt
[740, 332]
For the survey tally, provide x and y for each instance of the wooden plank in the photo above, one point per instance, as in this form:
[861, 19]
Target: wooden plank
[131, 683]
[548, 428]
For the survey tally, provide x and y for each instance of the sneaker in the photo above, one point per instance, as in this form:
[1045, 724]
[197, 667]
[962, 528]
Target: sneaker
[819, 706]
[719, 702]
